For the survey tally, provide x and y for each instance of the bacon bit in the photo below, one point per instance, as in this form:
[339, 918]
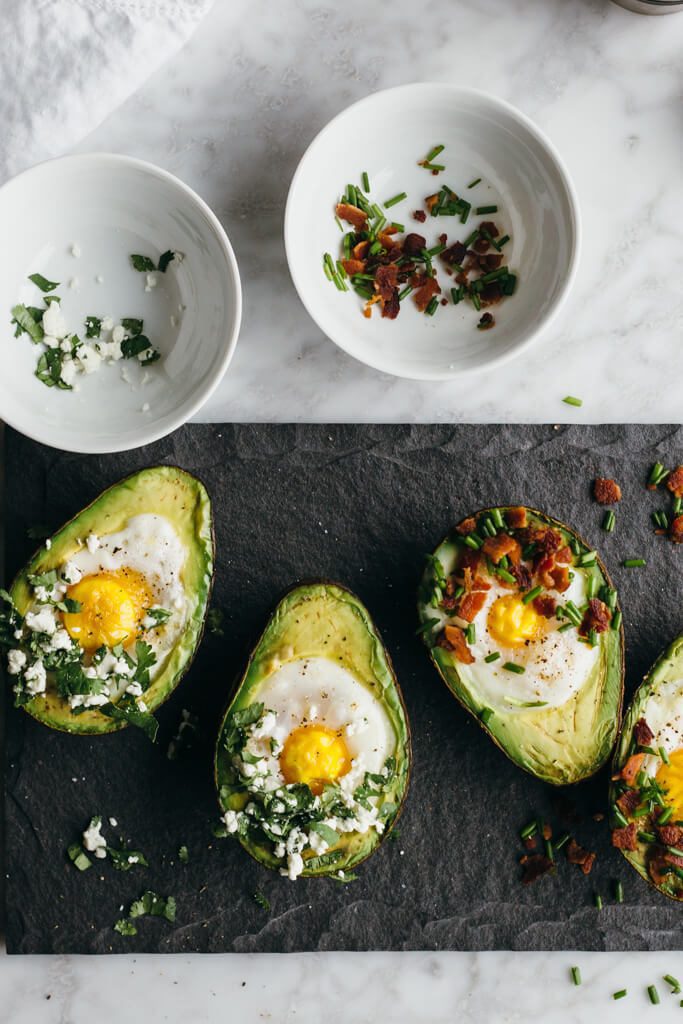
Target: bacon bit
[386, 280]
[522, 575]
[673, 859]
[606, 491]
[390, 244]
[431, 201]
[674, 482]
[391, 306]
[367, 309]
[420, 215]
[471, 605]
[469, 559]
[481, 245]
[486, 322]
[360, 250]
[546, 830]
[670, 835]
[352, 215]
[630, 770]
[455, 254]
[468, 525]
[425, 291]
[501, 545]
[529, 843]
[597, 617]
[535, 866]
[577, 855]
[676, 530]
[556, 578]
[455, 641]
[628, 801]
[516, 518]
[657, 867]
[490, 294]
[625, 838]
[353, 266]
[490, 262]
[644, 735]
[565, 555]
[489, 227]
[413, 244]
[545, 605]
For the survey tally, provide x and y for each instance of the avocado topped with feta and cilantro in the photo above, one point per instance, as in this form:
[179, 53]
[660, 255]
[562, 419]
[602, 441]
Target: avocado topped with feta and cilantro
[313, 755]
[102, 623]
[523, 626]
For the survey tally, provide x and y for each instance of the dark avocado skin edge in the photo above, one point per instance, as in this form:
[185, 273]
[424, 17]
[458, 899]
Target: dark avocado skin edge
[550, 521]
[323, 582]
[107, 729]
[619, 760]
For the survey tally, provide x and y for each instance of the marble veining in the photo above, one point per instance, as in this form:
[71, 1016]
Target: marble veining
[232, 114]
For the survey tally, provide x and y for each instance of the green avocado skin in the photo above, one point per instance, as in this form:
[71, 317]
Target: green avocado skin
[560, 745]
[161, 490]
[324, 619]
[668, 666]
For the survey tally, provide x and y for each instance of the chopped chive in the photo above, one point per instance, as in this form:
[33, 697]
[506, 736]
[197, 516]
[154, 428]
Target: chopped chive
[399, 227]
[431, 308]
[465, 208]
[665, 758]
[587, 559]
[562, 841]
[619, 817]
[505, 575]
[647, 837]
[509, 284]
[476, 302]
[674, 851]
[486, 209]
[406, 291]
[339, 224]
[571, 400]
[529, 830]
[531, 594]
[619, 891]
[365, 181]
[473, 183]
[351, 194]
[549, 851]
[677, 506]
[576, 975]
[653, 994]
[502, 241]
[435, 250]
[675, 984]
[620, 994]
[493, 656]
[608, 521]
[591, 587]
[567, 626]
[472, 541]
[398, 198]
[471, 633]
[657, 474]
[510, 666]
[633, 563]
[497, 517]
[456, 295]
[376, 211]
[486, 714]
[433, 153]
[489, 238]
[471, 238]
[597, 899]
[667, 813]
[616, 620]
[494, 275]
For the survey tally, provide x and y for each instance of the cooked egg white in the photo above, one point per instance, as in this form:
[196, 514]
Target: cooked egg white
[663, 712]
[556, 665]
[326, 726]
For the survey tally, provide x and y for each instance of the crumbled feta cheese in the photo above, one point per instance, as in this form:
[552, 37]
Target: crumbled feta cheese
[61, 641]
[295, 866]
[232, 821]
[92, 543]
[88, 700]
[16, 660]
[51, 342]
[174, 320]
[93, 840]
[145, 407]
[317, 843]
[113, 822]
[118, 334]
[150, 282]
[35, 677]
[141, 705]
[69, 371]
[76, 250]
[265, 727]
[71, 573]
[54, 324]
[108, 323]
[48, 544]
[42, 621]
[134, 689]
[89, 359]
[74, 284]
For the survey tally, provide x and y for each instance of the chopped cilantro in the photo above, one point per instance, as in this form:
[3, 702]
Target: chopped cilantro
[125, 858]
[132, 325]
[155, 906]
[325, 832]
[49, 369]
[125, 927]
[165, 259]
[93, 326]
[26, 322]
[130, 713]
[261, 900]
[43, 283]
[183, 855]
[159, 615]
[132, 346]
[143, 264]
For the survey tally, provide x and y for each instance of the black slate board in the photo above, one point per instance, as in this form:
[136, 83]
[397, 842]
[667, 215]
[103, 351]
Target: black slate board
[361, 504]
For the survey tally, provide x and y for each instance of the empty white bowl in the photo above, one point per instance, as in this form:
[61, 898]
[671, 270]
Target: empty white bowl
[77, 220]
[386, 135]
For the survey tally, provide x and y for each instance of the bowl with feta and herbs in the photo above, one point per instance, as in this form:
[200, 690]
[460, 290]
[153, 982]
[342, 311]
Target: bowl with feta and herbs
[122, 303]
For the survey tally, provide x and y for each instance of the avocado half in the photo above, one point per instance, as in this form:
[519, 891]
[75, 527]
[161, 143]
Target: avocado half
[322, 619]
[668, 667]
[163, 490]
[560, 745]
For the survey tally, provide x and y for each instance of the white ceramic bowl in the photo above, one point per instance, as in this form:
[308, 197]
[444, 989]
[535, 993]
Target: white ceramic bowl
[112, 206]
[386, 134]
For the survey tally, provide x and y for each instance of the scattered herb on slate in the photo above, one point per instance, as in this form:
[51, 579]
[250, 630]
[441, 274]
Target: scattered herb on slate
[214, 621]
[125, 927]
[183, 855]
[125, 858]
[261, 900]
[78, 857]
[153, 905]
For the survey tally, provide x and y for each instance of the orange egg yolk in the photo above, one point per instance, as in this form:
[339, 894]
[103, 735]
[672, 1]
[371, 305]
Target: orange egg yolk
[512, 623]
[314, 755]
[113, 605]
[670, 778]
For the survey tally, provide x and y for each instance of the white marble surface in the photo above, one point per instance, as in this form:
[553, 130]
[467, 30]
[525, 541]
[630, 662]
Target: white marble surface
[231, 114]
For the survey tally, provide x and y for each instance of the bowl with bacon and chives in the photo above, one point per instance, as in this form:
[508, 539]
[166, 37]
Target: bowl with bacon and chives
[431, 230]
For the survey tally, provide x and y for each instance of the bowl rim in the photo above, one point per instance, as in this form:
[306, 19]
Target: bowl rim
[203, 393]
[466, 92]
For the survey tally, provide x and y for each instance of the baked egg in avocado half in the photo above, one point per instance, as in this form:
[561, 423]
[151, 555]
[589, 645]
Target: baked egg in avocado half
[313, 754]
[646, 793]
[524, 627]
[102, 623]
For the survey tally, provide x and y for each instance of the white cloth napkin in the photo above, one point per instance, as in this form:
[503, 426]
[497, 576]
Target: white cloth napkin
[66, 64]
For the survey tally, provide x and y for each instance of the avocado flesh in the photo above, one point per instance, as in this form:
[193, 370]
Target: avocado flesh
[165, 491]
[322, 619]
[667, 668]
[559, 745]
